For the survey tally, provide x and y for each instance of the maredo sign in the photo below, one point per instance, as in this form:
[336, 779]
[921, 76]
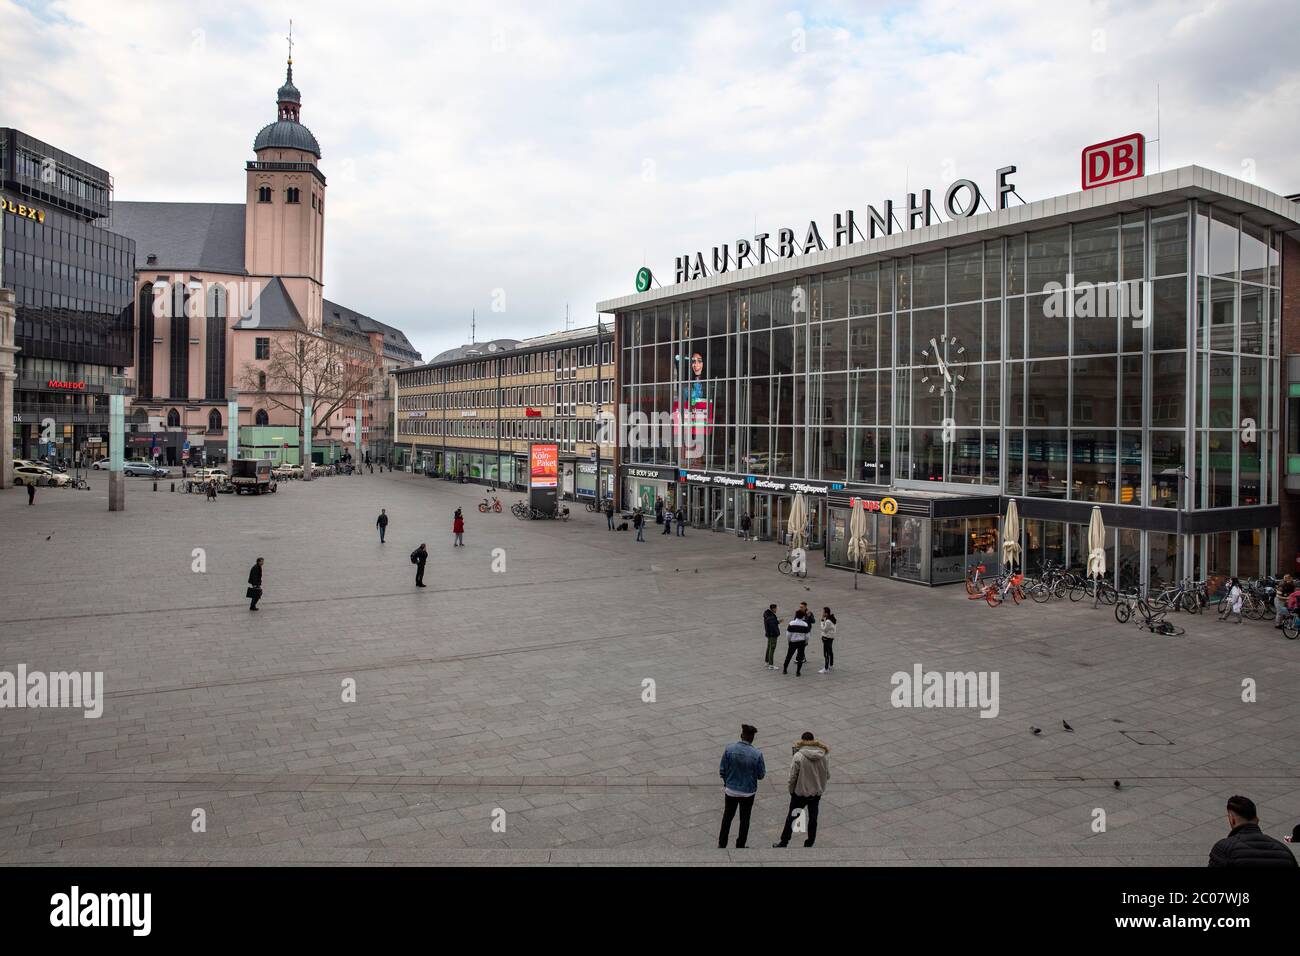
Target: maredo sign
[1114, 161]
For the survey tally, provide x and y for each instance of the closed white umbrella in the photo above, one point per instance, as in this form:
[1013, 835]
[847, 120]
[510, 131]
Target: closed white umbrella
[798, 518]
[1096, 551]
[1011, 534]
[858, 538]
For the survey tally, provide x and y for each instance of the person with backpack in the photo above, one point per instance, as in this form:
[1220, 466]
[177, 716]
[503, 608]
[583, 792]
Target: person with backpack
[828, 641]
[458, 529]
[418, 557]
[797, 631]
[772, 631]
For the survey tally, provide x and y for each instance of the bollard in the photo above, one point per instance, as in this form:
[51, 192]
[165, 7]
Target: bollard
[155, 484]
[173, 486]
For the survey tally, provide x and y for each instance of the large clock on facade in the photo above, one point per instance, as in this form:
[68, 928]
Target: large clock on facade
[944, 364]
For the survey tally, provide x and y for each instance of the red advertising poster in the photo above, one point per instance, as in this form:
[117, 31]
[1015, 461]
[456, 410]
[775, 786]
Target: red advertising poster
[544, 466]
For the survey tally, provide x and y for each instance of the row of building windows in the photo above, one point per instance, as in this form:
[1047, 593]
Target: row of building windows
[512, 429]
[74, 237]
[572, 393]
[45, 170]
[564, 362]
[292, 196]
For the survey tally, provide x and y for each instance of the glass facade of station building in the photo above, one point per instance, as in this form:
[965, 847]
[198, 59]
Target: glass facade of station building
[1127, 357]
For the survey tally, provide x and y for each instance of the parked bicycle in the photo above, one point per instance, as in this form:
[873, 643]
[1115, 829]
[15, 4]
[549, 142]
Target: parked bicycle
[485, 506]
[787, 566]
[1150, 618]
[1099, 589]
[975, 579]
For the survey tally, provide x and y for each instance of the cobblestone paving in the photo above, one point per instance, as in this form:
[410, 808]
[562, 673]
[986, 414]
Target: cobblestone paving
[522, 691]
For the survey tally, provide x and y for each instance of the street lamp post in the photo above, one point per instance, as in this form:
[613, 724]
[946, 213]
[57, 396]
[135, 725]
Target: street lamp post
[1178, 526]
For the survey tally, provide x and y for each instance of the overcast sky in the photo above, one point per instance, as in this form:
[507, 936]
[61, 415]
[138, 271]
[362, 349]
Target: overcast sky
[547, 150]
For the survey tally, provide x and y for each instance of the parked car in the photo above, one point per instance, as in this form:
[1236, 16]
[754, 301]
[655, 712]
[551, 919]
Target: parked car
[286, 470]
[102, 464]
[142, 469]
[204, 475]
[36, 475]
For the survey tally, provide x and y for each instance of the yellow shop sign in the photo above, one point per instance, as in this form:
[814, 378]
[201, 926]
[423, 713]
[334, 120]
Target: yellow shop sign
[18, 209]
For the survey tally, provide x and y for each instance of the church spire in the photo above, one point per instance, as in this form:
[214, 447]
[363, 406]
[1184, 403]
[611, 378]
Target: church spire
[288, 99]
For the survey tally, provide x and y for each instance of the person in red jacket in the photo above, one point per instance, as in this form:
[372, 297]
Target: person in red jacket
[458, 529]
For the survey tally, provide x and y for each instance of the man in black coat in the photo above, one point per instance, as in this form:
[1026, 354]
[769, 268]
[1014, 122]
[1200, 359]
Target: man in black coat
[1247, 844]
[418, 557]
[609, 513]
[382, 523]
[255, 583]
[772, 631]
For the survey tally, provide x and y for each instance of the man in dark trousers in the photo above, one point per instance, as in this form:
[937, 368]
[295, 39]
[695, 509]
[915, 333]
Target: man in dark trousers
[31, 493]
[382, 523]
[638, 522]
[772, 631]
[255, 583]
[741, 769]
[1247, 844]
[609, 513]
[810, 771]
[418, 557]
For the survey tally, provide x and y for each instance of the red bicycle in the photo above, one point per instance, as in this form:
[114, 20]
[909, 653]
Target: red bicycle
[1011, 586]
[484, 507]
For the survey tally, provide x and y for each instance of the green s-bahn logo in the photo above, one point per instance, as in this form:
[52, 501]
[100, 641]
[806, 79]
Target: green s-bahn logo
[643, 279]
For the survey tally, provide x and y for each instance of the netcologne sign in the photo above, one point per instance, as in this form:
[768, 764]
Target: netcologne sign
[961, 200]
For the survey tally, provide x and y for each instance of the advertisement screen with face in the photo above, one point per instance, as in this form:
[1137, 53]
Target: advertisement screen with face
[695, 412]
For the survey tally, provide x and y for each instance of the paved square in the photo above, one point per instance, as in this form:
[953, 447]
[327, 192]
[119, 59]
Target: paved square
[523, 691]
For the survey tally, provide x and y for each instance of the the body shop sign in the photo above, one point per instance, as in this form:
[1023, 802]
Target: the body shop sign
[543, 476]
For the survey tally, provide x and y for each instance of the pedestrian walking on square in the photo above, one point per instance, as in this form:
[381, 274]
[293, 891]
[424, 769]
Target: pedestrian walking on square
[1246, 844]
[797, 631]
[741, 768]
[828, 641]
[668, 522]
[255, 583]
[659, 511]
[418, 557]
[382, 524]
[1232, 603]
[609, 513]
[638, 522]
[772, 631]
[745, 523]
[680, 518]
[810, 772]
[31, 493]
[458, 529]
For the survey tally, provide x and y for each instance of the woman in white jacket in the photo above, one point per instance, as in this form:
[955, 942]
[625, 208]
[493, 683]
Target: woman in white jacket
[828, 641]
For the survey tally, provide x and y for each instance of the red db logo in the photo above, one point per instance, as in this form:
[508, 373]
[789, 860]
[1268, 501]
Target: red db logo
[1114, 161]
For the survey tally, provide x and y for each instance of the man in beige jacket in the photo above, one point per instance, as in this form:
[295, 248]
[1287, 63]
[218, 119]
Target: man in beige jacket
[810, 771]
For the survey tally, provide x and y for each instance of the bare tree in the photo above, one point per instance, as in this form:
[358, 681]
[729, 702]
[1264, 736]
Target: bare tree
[334, 374]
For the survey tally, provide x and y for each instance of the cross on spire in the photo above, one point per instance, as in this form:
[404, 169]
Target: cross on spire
[290, 39]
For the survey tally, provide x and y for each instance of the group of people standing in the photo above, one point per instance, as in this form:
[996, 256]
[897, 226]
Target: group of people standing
[798, 630]
[743, 767]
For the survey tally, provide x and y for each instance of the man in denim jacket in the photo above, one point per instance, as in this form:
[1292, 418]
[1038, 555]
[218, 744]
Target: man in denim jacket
[741, 768]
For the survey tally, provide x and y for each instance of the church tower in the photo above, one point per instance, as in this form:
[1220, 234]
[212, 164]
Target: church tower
[284, 220]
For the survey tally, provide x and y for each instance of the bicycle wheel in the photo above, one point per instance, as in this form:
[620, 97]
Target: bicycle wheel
[1123, 612]
[1290, 627]
[1061, 586]
[1169, 629]
[1039, 592]
[1017, 594]
[970, 585]
[991, 595]
[784, 566]
[1108, 593]
[1191, 604]
[1078, 591]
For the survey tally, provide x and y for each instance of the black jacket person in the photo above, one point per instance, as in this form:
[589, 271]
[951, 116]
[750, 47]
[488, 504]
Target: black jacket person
[255, 583]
